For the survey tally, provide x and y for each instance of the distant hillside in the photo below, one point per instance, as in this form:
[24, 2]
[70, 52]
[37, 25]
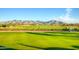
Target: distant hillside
[20, 22]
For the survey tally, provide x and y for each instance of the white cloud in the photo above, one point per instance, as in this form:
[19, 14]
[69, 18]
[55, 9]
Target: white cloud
[67, 17]
[68, 12]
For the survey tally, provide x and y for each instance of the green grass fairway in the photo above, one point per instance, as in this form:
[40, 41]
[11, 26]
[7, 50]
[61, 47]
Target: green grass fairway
[39, 41]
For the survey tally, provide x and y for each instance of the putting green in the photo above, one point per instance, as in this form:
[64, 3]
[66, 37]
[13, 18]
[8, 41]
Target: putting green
[39, 41]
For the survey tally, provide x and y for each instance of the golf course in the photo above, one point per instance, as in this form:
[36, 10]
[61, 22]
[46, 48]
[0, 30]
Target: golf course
[39, 40]
[39, 29]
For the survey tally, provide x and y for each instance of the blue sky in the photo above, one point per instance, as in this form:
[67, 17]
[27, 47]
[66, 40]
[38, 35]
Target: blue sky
[42, 14]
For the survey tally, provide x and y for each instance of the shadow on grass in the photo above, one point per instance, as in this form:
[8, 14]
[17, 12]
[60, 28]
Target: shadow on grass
[5, 48]
[53, 34]
[39, 33]
[45, 34]
[49, 48]
[65, 32]
[76, 47]
[69, 33]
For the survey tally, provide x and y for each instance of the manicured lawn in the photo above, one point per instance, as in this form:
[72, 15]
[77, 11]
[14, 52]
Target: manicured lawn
[39, 41]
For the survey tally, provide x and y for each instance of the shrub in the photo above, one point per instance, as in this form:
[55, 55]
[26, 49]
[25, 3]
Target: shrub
[3, 25]
[65, 29]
